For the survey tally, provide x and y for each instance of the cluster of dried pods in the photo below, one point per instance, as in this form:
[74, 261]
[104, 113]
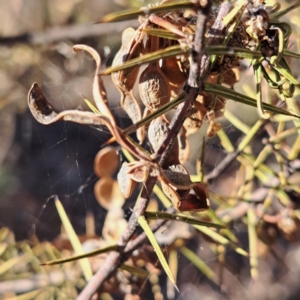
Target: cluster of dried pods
[161, 81]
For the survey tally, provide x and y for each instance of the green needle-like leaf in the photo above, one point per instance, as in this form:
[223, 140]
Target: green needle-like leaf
[281, 68]
[77, 257]
[224, 50]
[85, 264]
[219, 90]
[150, 57]
[144, 224]
[291, 54]
[181, 218]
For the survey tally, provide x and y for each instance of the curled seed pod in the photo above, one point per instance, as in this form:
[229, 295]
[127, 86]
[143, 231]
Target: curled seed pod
[154, 88]
[108, 194]
[106, 162]
[157, 133]
[126, 184]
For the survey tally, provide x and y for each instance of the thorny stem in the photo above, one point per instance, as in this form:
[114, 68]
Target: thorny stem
[198, 73]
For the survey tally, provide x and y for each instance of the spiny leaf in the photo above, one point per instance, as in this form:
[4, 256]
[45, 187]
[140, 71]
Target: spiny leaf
[77, 257]
[150, 57]
[85, 264]
[144, 224]
[216, 89]
[144, 11]
[181, 218]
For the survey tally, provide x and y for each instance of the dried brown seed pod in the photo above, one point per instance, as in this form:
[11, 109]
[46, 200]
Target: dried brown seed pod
[154, 88]
[132, 108]
[186, 200]
[184, 194]
[197, 200]
[126, 183]
[177, 176]
[106, 162]
[157, 132]
[108, 194]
